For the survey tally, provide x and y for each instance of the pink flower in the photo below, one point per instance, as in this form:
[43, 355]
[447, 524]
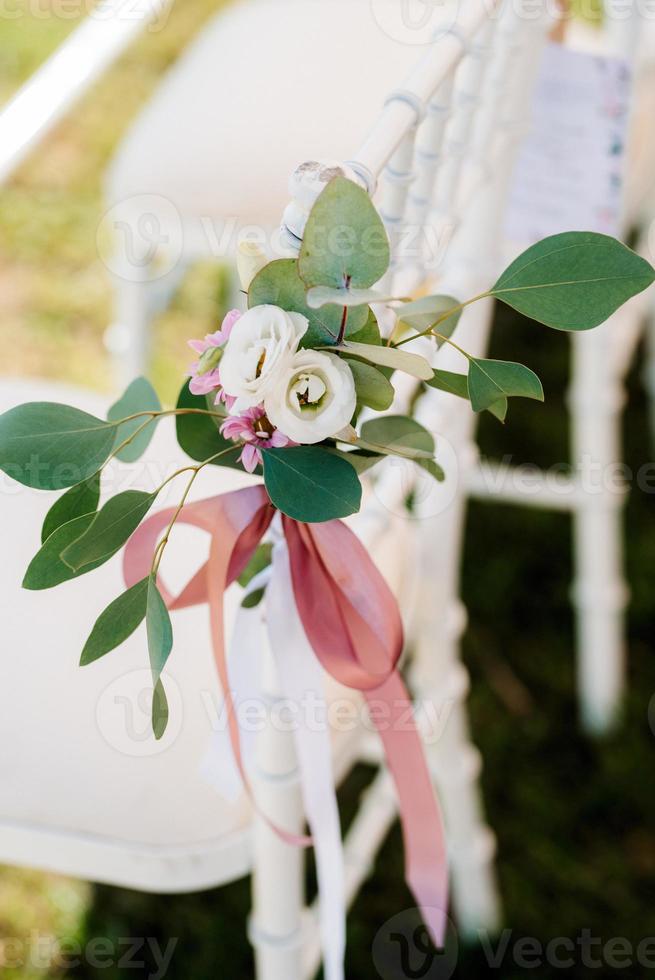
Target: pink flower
[257, 432]
[205, 376]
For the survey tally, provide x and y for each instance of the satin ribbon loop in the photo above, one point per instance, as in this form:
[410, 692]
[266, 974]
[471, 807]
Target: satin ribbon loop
[353, 625]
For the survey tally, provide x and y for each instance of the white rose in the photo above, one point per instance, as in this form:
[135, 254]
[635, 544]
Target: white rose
[314, 399]
[260, 346]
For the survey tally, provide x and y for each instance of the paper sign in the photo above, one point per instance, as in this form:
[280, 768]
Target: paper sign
[569, 172]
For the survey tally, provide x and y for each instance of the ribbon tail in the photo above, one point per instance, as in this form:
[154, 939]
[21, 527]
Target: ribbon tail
[426, 868]
[218, 767]
[301, 677]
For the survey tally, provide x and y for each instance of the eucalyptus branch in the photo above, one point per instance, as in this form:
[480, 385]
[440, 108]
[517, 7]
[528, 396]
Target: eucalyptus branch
[130, 438]
[441, 319]
[161, 413]
[447, 340]
[159, 550]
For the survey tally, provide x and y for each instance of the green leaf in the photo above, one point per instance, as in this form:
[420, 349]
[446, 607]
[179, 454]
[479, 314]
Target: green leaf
[488, 381]
[397, 435]
[140, 396]
[391, 357]
[319, 296]
[573, 281]
[50, 446]
[424, 313]
[253, 598]
[198, 435]
[159, 630]
[432, 467]
[457, 384]
[310, 484]
[47, 568]
[110, 529]
[368, 334]
[116, 623]
[372, 388]
[360, 461]
[80, 499]
[260, 560]
[159, 710]
[279, 284]
[344, 242]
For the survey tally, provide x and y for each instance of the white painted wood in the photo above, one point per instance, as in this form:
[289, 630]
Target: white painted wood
[277, 881]
[65, 77]
[439, 678]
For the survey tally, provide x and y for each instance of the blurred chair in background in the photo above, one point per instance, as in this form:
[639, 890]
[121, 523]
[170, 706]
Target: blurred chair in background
[187, 182]
[108, 811]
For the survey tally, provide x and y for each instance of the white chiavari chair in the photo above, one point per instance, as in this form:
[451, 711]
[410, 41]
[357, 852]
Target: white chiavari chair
[202, 215]
[89, 798]
[596, 491]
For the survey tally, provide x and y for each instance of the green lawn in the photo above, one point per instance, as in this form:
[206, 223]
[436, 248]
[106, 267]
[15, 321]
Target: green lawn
[573, 818]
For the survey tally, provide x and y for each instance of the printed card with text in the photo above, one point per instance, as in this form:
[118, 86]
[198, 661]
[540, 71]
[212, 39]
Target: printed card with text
[570, 170]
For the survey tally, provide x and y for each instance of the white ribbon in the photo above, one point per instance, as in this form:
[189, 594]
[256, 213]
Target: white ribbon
[301, 681]
[218, 767]
[301, 675]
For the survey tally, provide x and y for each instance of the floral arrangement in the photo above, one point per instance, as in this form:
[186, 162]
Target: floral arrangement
[280, 390]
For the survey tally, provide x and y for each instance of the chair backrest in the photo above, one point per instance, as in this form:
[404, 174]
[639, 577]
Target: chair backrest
[438, 162]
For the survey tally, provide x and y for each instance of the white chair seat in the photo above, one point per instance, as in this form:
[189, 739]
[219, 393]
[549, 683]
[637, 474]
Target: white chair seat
[86, 790]
[265, 61]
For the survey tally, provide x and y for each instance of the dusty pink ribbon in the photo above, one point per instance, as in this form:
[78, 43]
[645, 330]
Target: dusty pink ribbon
[353, 624]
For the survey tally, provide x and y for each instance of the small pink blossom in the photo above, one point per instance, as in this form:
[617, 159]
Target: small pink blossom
[253, 427]
[205, 375]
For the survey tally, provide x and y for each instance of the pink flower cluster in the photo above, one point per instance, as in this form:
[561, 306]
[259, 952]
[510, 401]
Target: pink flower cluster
[251, 426]
[205, 372]
[258, 433]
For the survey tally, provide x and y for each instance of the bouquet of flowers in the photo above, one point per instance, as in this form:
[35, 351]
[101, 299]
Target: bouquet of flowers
[280, 390]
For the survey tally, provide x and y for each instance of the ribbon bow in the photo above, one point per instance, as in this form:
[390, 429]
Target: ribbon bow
[352, 622]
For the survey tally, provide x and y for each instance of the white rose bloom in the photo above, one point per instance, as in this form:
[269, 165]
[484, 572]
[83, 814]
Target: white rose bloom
[314, 399]
[260, 347]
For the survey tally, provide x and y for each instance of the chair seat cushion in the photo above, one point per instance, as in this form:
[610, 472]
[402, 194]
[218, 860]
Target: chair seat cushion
[268, 84]
[86, 789]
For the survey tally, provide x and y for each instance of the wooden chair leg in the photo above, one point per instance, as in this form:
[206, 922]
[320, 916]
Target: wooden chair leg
[600, 593]
[275, 929]
[441, 683]
[140, 292]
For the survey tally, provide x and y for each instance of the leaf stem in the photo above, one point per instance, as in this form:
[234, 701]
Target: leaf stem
[169, 411]
[159, 550]
[129, 439]
[441, 319]
[342, 326]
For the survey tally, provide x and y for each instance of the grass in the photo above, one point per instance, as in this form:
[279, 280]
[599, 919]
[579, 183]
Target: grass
[573, 817]
[54, 289]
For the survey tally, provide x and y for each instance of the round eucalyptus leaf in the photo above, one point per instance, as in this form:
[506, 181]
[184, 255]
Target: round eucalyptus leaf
[489, 380]
[573, 281]
[50, 446]
[139, 396]
[345, 242]
[279, 284]
[311, 484]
